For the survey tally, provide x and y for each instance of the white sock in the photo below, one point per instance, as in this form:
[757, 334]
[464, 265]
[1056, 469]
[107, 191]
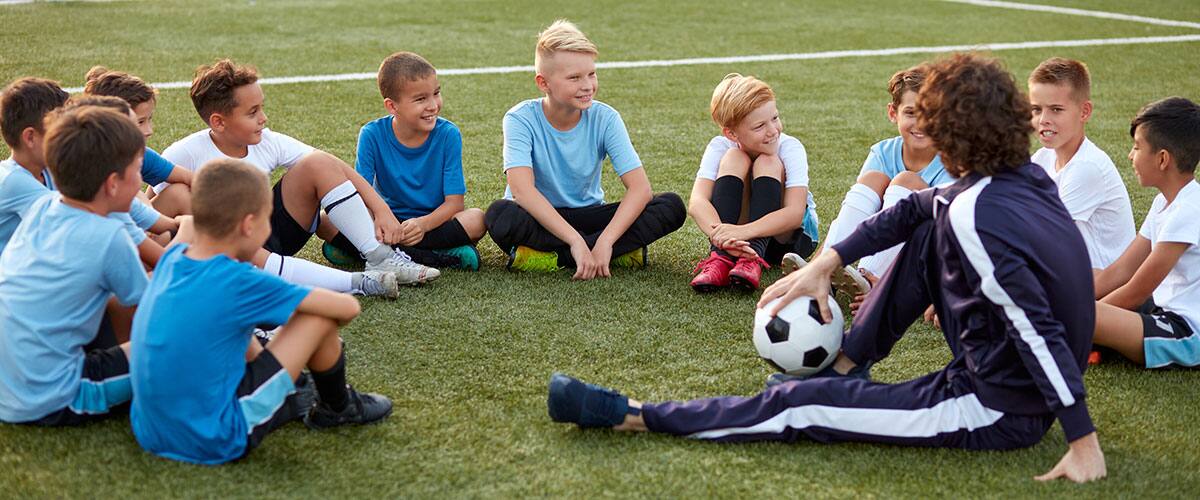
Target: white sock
[859, 205]
[303, 272]
[880, 262]
[350, 215]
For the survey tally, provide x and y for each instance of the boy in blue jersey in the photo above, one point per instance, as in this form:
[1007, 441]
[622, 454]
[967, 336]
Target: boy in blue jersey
[413, 159]
[65, 261]
[204, 390]
[1019, 305]
[554, 212]
[1149, 299]
[175, 199]
[893, 170]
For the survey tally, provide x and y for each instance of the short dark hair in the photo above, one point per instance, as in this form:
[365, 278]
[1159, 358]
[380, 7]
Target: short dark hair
[87, 144]
[103, 81]
[1172, 124]
[24, 103]
[975, 115]
[213, 87]
[104, 101]
[224, 192]
[400, 68]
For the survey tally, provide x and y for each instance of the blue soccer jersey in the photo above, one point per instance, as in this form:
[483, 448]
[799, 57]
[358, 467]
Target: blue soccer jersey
[887, 156]
[189, 341]
[56, 275]
[413, 181]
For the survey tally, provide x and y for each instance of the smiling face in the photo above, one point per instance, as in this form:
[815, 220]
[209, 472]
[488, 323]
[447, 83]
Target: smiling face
[243, 125]
[569, 79]
[1146, 159]
[418, 105]
[759, 131]
[145, 117]
[905, 118]
[1058, 116]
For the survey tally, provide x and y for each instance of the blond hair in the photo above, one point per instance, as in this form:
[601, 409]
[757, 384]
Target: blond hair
[1062, 71]
[562, 36]
[736, 96]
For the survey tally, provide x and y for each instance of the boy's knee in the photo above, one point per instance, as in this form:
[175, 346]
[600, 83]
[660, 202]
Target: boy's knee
[734, 162]
[909, 180]
[497, 214]
[768, 166]
[875, 180]
[318, 164]
[175, 199]
[473, 221]
[672, 207]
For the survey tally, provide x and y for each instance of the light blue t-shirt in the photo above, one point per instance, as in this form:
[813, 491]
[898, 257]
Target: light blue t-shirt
[18, 190]
[413, 181]
[887, 156]
[187, 355]
[57, 274]
[155, 168]
[567, 165]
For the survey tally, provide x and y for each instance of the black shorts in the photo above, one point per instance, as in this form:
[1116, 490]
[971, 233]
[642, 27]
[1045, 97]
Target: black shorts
[287, 235]
[800, 244]
[104, 390]
[262, 395]
[1167, 338]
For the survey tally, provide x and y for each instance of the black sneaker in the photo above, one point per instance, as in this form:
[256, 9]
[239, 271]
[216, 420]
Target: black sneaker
[298, 404]
[362, 408]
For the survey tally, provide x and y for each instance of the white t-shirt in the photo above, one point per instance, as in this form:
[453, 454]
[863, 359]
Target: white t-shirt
[791, 153]
[275, 150]
[1178, 222]
[1093, 191]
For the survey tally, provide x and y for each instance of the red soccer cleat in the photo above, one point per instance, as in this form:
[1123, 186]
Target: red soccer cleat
[1094, 358]
[747, 273]
[712, 273]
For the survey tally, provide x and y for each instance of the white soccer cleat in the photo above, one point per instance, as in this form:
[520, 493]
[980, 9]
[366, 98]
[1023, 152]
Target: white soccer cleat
[407, 272]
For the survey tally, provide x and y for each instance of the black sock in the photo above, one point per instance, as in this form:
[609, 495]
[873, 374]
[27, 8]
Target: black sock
[766, 196]
[331, 385]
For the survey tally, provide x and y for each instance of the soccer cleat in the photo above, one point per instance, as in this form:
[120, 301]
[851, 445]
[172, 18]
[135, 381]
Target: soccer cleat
[361, 408]
[850, 281]
[339, 257]
[523, 258]
[792, 262]
[407, 272]
[378, 284]
[636, 259]
[586, 405]
[747, 273]
[298, 404]
[860, 371]
[466, 255]
[1094, 358]
[712, 273]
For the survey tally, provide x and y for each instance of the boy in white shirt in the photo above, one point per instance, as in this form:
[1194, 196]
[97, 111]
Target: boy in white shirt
[230, 101]
[1149, 299]
[1088, 182]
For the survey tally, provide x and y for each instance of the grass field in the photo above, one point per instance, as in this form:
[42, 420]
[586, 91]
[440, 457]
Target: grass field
[466, 359]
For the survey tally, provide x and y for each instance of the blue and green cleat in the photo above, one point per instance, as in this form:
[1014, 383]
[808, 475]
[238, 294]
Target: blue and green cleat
[339, 257]
[467, 256]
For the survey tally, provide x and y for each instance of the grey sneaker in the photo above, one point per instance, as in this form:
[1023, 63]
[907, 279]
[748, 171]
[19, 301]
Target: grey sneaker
[378, 284]
[361, 408]
[407, 272]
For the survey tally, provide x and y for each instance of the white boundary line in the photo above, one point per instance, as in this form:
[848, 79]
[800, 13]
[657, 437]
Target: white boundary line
[1078, 12]
[836, 54]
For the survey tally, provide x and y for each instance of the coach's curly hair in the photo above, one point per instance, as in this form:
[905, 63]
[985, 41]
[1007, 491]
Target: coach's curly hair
[973, 112]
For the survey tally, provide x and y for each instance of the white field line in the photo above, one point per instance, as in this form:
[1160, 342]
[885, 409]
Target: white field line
[836, 54]
[1078, 12]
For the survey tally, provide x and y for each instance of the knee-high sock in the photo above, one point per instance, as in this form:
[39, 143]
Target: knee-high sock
[727, 201]
[879, 263]
[303, 272]
[859, 205]
[766, 196]
[350, 215]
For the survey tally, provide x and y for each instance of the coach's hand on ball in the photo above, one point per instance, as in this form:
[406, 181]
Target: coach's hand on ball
[812, 280]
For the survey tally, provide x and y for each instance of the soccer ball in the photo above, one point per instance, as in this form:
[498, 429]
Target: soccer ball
[796, 341]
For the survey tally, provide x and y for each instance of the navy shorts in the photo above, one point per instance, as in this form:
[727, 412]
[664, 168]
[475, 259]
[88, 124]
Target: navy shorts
[1167, 338]
[262, 395]
[287, 235]
[104, 390]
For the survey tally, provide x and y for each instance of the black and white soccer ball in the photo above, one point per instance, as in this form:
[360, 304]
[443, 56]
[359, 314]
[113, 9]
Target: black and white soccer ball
[796, 341]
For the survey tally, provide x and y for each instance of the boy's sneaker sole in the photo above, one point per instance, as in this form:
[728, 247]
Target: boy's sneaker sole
[849, 281]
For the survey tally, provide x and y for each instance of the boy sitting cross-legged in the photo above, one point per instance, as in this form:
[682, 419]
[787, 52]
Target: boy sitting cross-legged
[228, 98]
[66, 260]
[752, 156]
[204, 390]
[554, 147]
[1149, 299]
[413, 158]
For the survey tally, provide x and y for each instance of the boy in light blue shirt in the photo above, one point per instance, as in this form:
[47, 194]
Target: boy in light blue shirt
[65, 261]
[554, 213]
[413, 159]
[204, 390]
